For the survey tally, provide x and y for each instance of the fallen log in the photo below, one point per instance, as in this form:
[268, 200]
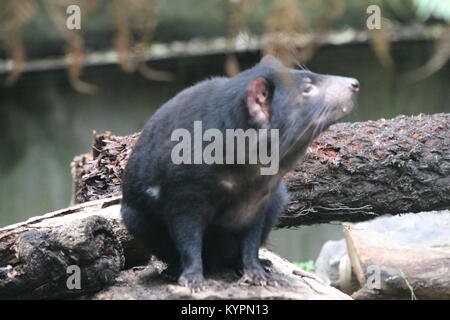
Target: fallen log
[35, 256]
[402, 263]
[352, 172]
[398, 257]
[293, 284]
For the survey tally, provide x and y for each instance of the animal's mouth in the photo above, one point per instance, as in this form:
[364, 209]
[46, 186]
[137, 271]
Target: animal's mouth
[346, 108]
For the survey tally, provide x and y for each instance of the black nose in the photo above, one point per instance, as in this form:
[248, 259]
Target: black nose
[354, 84]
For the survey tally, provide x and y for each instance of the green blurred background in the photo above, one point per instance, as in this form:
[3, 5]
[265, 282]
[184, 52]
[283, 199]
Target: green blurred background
[45, 121]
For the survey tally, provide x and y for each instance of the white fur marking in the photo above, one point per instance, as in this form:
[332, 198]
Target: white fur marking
[227, 184]
[153, 192]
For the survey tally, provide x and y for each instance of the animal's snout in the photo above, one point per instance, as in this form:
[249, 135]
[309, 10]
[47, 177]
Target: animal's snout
[341, 93]
[337, 83]
[353, 84]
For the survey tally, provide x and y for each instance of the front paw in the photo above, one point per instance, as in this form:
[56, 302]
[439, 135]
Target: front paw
[257, 277]
[194, 281]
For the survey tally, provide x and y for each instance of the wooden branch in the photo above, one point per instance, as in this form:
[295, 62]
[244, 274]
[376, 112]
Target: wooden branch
[38, 252]
[410, 261]
[140, 283]
[356, 171]
[391, 257]
[352, 172]
[35, 254]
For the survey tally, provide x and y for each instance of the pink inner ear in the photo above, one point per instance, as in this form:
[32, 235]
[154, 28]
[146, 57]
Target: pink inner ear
[258, 87]
[257, 102]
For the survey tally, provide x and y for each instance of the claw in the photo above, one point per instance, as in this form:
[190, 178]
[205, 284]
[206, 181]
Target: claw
[257, 277]
[194, 281]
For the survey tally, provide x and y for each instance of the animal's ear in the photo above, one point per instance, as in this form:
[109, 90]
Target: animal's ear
[258, 101]
[271, 59]
[268, 58]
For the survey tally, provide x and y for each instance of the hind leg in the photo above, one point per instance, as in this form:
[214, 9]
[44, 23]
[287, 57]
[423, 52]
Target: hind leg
[153, 234]
[186, 228]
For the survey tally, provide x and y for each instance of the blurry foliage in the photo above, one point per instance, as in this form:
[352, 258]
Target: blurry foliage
[381, 44]
[74, 40]
[283, 24]
[308, 266]
[14, 15]
[237, 11]
[132, 25]
[434, 9]
[426, 9]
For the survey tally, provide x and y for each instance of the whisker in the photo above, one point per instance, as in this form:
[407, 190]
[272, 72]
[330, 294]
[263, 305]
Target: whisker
[315, 114]
[292, 51]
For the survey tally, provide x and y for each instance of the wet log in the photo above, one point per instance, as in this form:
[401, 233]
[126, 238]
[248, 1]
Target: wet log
[352, 172]
[35, 257]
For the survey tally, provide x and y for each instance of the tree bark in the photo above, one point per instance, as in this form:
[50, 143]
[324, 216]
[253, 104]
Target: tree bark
[357, 171]
[35, 254]
[352, 172]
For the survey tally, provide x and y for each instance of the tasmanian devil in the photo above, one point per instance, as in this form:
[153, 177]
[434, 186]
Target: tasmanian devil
[201, 215]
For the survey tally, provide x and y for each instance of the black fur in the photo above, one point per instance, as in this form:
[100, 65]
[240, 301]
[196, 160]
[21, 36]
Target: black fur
[188, 218]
